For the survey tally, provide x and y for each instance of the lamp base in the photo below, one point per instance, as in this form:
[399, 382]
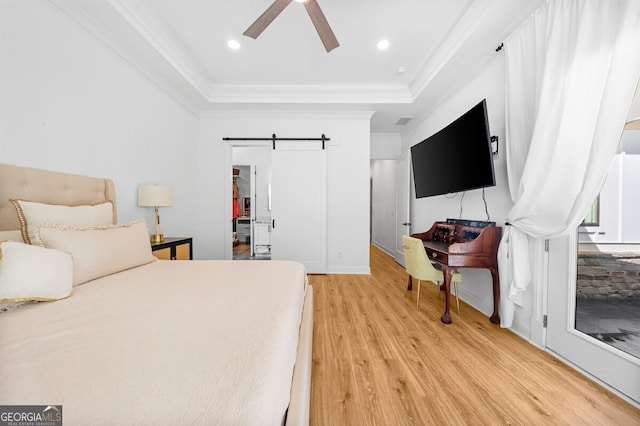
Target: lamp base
[157, 238]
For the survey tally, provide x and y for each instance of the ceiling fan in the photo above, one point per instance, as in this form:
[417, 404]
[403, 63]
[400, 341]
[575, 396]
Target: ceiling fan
[313, 9]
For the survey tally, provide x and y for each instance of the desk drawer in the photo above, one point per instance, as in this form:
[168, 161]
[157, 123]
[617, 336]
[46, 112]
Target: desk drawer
[437, 256]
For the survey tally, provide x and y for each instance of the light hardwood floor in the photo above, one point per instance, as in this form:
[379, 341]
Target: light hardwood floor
[379, 361]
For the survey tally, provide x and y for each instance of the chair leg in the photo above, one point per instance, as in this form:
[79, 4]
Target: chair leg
[406, 291]
[455, 289]
[418, 296]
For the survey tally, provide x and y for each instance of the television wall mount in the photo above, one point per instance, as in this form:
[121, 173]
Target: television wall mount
[494, 145]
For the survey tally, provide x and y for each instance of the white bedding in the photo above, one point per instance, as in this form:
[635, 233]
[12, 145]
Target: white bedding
[170, 342]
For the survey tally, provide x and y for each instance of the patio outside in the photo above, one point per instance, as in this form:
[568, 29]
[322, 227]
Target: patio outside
[608, 298]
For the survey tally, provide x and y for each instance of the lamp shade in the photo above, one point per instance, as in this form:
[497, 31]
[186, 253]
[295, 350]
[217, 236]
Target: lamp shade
[154, 196]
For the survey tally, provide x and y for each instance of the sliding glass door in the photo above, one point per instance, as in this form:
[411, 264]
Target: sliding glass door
[594, 281]
[611, 365]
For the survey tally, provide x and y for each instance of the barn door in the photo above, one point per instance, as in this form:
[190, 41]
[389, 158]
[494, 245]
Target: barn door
[299, 204]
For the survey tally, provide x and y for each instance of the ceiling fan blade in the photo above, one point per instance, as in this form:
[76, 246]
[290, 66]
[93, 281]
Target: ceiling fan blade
[633, 125]
[266, 18]
[322, 26]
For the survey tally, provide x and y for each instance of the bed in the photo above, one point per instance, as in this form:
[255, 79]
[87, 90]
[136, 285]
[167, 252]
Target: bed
[161, 342]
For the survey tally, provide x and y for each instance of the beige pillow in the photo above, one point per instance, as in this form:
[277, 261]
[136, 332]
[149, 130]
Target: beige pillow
[98, 251]
[32, 214]
[33, 273]
[12, 236]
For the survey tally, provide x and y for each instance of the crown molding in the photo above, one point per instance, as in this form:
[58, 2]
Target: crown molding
[334, 94]
[450, 45]
[153, 52]
[158, 39]
[288, 114]
[110, 31]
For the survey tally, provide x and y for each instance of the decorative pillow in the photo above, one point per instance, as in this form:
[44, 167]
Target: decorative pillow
[12, 236]
[99, 251]
[33, 273]
[32, 214]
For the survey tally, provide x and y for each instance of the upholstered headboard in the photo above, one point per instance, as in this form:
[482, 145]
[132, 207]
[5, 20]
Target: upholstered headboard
[44, 186]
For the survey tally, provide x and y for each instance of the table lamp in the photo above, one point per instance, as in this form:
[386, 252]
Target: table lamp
[155, 196]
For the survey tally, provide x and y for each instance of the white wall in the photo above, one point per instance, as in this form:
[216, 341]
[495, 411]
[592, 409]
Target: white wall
[619, 228]
[68, 103]
[383, 204]
[385, 146]
[476, 287]
[347, 186]
[385, 149]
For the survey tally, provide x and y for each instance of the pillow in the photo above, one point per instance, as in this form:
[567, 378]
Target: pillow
[99, 251]
[32, 214]
[33, 273]
[15, 235]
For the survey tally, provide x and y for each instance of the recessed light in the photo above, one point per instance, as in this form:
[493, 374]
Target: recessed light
[233, 44]
[301, 1]
[401, 70]
[383, 44]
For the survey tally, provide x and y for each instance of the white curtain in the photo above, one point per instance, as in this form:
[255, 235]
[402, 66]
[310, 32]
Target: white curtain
[572, 69]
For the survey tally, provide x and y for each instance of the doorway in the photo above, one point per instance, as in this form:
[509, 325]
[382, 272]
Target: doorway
[251, 210]
[289, 207]
[243, 193]
[403, 205]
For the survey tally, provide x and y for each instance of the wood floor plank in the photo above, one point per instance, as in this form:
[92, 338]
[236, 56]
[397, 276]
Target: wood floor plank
[377, 360]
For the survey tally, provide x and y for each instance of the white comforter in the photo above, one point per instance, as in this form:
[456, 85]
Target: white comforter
[171, 342]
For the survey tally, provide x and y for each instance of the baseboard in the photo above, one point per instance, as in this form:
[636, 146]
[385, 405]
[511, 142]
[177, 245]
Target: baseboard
[383, 248]
[592, 377]
[519, 327]
[354, 270]
[484, 306]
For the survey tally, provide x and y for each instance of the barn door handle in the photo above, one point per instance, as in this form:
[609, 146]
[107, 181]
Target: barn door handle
[273, 224]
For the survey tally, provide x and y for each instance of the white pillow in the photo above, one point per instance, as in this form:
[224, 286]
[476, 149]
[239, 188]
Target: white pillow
[32, 214]
[99, 251]
[33, 273]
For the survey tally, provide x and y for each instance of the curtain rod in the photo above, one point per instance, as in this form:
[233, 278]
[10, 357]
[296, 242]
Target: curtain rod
[273, 139]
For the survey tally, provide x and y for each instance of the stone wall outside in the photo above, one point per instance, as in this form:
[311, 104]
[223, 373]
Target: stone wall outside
[608, 275]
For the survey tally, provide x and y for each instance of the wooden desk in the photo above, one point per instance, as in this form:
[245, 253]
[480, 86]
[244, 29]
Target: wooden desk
[457, 245]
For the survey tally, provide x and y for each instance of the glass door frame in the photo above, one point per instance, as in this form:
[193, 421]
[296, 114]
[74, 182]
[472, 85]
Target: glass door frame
[609, 366]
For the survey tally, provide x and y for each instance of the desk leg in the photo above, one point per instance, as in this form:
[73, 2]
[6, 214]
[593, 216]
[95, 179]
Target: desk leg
[495, 317]
[449, 271]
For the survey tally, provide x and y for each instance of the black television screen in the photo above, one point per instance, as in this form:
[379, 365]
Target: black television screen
[457, 158]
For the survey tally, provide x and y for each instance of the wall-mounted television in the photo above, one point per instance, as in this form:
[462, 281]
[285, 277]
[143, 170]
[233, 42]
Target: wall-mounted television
[457, 158]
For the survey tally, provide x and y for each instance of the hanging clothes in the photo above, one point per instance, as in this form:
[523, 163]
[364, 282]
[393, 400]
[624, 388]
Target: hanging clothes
[236, 208]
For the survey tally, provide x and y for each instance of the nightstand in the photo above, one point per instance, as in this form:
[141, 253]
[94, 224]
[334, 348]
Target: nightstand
[173, 249]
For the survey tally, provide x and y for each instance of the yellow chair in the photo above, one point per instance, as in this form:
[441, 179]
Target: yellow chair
[420, 267]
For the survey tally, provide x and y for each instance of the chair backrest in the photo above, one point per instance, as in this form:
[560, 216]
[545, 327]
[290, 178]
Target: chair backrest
[416, 261]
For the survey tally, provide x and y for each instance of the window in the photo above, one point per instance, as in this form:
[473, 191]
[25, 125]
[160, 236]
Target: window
[593, 216]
